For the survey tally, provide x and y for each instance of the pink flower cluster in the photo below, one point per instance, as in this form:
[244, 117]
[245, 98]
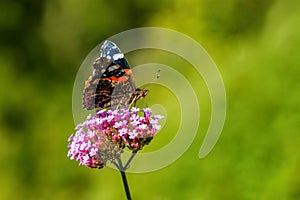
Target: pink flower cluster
[103, 137]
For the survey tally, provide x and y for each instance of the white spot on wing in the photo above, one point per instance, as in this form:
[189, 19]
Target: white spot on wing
[112, 68]
[118, 56]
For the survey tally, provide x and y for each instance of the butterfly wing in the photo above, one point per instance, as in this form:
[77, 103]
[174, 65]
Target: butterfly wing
[112, 81]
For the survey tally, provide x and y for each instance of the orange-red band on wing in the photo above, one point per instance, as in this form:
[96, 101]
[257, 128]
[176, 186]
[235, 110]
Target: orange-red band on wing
[122, 78]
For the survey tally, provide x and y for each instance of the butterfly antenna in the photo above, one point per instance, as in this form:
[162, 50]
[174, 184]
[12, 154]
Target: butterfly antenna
[158, 74]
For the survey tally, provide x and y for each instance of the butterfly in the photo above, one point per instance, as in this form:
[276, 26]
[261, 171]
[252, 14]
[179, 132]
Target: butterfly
[112, 82]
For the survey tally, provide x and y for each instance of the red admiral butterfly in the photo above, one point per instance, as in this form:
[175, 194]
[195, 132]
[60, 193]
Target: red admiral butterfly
[112, 82]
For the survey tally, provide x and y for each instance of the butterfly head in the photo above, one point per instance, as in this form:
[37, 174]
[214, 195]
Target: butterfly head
[140, 93]
[136, 95]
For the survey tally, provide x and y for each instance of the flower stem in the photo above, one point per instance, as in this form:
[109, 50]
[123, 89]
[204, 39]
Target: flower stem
[124, 179]
[125, 183]
[129, 160]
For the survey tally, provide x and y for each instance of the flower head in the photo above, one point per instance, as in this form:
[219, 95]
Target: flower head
[132, 128]
[90, 146]
[103, 137]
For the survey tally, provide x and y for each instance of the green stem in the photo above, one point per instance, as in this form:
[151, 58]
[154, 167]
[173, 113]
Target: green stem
[125, 183]
[124, 179]
[129, 160]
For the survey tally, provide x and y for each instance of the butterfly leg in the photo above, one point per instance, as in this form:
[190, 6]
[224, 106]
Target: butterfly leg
[133, 102]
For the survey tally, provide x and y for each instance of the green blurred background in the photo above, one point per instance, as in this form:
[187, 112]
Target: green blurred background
[254, 43]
